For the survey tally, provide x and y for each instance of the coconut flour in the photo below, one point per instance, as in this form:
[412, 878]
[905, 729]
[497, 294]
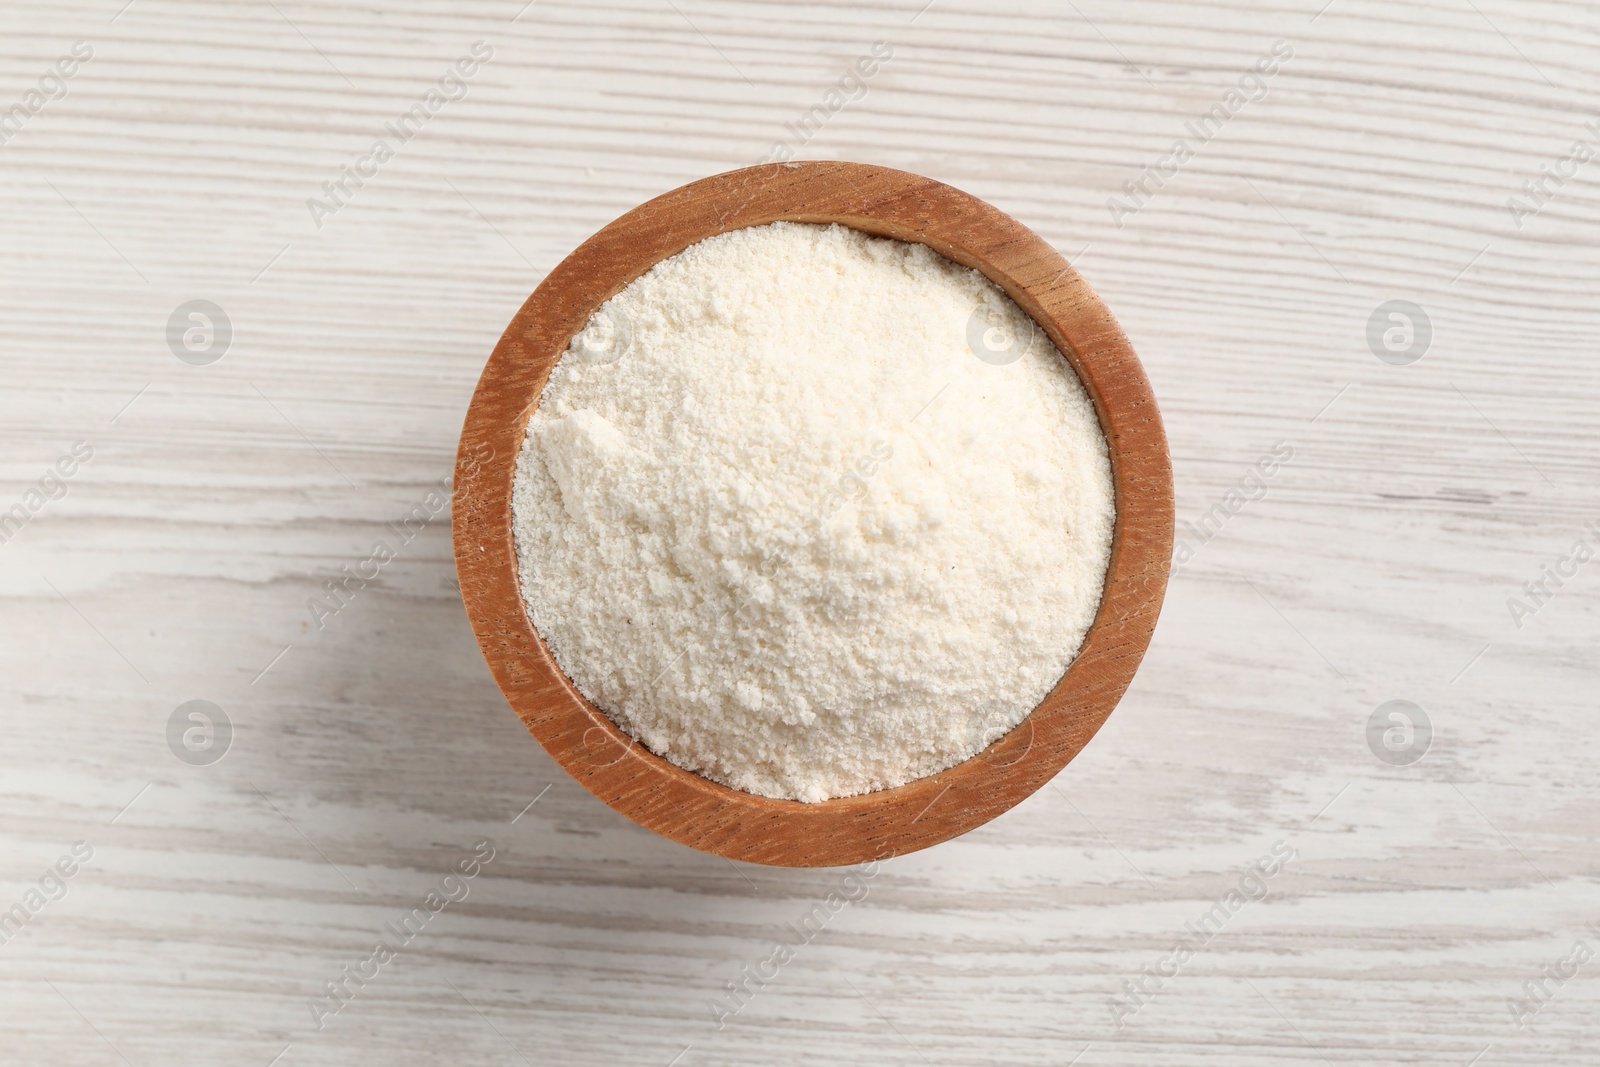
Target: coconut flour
[813, 513]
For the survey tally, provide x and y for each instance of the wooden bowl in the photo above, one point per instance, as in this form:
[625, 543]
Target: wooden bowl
[679, 803]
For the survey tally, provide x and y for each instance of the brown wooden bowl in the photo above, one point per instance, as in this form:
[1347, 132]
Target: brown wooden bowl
[679, 803]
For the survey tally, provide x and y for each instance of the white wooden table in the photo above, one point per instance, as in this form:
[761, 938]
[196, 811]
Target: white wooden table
[370, 755]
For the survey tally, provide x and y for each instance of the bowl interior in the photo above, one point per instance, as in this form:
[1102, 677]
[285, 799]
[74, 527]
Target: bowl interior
[683, 805]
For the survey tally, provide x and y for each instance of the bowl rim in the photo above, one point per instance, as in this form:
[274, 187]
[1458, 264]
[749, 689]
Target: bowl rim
[680, 804]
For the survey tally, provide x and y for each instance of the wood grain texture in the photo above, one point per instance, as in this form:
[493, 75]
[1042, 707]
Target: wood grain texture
[887, 823]
[373, 752]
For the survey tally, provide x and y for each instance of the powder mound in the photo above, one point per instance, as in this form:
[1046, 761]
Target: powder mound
[788, 530]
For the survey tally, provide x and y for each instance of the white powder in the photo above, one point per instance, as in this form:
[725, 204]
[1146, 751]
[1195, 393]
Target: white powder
[776, 518]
